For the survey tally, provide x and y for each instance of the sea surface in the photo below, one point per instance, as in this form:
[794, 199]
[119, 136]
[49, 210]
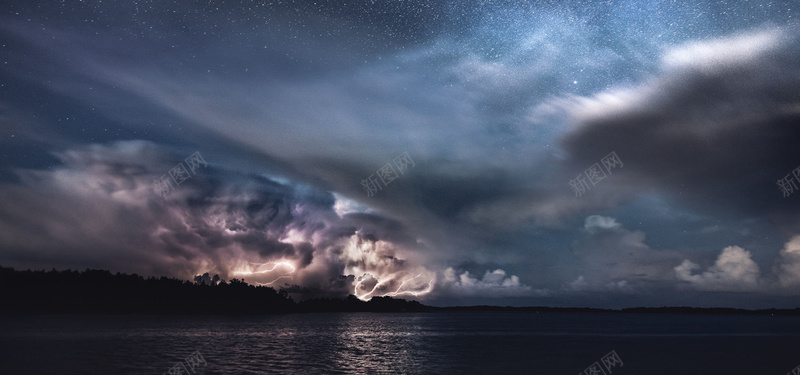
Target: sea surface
[405, 343]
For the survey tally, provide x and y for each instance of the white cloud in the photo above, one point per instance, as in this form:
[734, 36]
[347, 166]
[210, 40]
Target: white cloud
[493, 284]
[723, 52]
[734, 270]
[595, 223]
[344, 206]
[787, 266]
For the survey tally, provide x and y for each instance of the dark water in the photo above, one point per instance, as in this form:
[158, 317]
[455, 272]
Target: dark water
[424, 343]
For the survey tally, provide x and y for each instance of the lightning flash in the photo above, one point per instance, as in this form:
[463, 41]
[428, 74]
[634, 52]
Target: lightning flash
[287, 268]
[397, 292]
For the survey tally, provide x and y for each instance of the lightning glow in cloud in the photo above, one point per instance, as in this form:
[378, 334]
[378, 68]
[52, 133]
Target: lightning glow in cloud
[275, 266]
[411, 292]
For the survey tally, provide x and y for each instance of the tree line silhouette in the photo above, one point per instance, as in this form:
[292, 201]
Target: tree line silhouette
[102, 292]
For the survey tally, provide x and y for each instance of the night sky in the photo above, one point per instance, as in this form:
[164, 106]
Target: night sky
[559, 153]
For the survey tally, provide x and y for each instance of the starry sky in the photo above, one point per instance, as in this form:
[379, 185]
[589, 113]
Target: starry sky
[559, 153]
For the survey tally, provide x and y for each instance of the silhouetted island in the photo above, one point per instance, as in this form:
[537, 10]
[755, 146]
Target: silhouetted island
[101, 292]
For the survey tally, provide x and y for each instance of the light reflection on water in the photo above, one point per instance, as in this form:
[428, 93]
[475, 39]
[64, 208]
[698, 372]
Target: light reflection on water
[307, 343]
[403, 343]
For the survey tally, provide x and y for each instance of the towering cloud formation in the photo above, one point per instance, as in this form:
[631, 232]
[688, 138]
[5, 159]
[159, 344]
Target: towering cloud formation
[734, 270]
[101, 209]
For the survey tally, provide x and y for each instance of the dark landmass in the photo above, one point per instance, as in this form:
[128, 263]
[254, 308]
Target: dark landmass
[632, 310]
[101, 292]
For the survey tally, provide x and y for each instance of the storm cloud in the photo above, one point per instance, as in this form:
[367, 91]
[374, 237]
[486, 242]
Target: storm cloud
[293, 105]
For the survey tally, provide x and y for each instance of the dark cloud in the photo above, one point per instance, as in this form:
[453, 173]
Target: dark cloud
[715, 129]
